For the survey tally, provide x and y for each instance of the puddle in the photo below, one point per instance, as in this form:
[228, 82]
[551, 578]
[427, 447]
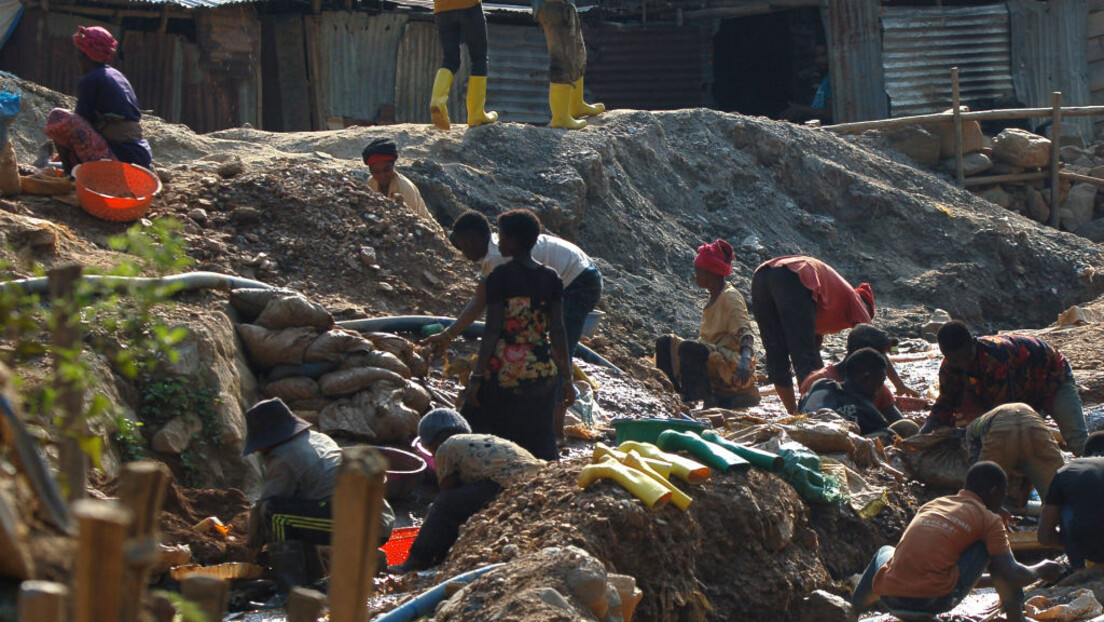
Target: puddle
[978, 604]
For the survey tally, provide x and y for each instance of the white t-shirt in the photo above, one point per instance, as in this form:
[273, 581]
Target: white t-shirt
[565, 258]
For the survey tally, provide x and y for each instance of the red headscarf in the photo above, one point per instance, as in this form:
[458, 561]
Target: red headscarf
[96, 43]
[715, 258]
[867, 295]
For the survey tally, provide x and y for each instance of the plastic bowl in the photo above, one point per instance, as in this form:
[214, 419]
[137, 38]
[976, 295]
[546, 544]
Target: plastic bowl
[398, 547]
[115, 191]
[423, 453]
[404, 471]
[648, 430]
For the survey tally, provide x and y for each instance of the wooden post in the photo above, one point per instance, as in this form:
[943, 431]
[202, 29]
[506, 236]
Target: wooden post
[42, 601]
[358, 502]
[99, 567]
[142, 491]
[66, 337]
[210, 593]
[305, 605]
[1055, 145]
[960, 169]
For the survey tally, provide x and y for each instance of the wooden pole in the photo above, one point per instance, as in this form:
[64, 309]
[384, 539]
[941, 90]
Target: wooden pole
[66, 338]
[358, 502]
[960, 169]
[980, 115]
[1000, 179]
[1055, 145]
[99, 567]
[210, 593]
[142, 491]
[42, 601]
[305, 605]
[1085, 179]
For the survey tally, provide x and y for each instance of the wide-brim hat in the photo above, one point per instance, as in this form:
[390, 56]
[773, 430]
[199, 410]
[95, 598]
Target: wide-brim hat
[270, 422]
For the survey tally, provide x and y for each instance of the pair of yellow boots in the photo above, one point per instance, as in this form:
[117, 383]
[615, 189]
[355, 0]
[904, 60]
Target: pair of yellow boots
[565, 100]
[644, 470]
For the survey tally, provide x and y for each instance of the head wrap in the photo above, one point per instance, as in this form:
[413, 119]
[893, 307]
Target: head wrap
[715, 258]
[439, 423]
[867, 295]
[96, 43]
[380, 150]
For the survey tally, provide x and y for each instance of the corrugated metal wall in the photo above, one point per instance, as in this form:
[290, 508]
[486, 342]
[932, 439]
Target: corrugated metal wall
[920, 45]
[418, 59]
[855, 59]
[357, 60]
[653, 68]
[1049, 53]
[1095, 56]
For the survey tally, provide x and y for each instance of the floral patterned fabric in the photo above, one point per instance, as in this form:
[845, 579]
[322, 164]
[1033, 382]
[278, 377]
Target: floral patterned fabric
[1010, 368]
[474, 457]
[73, 132]
[523, 354]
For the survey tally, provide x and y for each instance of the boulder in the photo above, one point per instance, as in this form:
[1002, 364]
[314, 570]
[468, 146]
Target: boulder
[938, 318]
[821, 606]
[972, 138]
[1004, 168]
[1069, 136]
[1070, 154]
[175, 436]
[997, 195]
[1037, 208]
[972, 164]
[1021, 148]
[1093, 230]
[1097, 172]
[917, 143]
[1077, 210]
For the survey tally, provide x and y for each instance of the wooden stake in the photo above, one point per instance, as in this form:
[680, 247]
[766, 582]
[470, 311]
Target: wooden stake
[1000, 179]
[66, 337]
[142, 491]
[1085, 179]
[99, 568]
[358, 502]
[210, 593]
[980, 115]
[305, 605]
[960, 169]
[42, 601]
[1055, 143]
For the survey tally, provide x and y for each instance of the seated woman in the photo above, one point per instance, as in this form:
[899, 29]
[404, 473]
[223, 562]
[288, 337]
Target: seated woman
[107, 124]
[720, 366]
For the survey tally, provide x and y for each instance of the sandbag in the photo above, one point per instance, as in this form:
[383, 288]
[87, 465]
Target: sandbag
[9, 171]
[349, 381]
[293, 389]
[822, 437]
[294, 310]
[250, 301]
[269, 348]
[416, 397]
[392, 421]
[333, 344]
[376, 415]
[303, 406]
[310, 370]
[387, 360]
[349, 417]
[392, 343]
[938, 459]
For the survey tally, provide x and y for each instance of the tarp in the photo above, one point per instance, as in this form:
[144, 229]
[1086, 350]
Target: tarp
[10, 11]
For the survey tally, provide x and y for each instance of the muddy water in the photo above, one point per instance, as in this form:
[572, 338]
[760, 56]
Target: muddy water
[974, 607]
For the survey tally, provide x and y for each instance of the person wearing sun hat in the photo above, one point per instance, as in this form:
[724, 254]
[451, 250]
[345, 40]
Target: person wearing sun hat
[380, 156]
[107, 122]
[718, 367]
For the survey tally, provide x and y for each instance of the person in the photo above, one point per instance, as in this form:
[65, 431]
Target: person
[461, 21]
[523, 363]
[797, 300]
[567, 57]
[1073, 508]
[868, 336]
[853, 398]
[1015, 437]
[300, 472]
[380, 156]
[471, 470]
[978, 374]
[820, 107]
[719, 367]
[945, 550]
[107, 122]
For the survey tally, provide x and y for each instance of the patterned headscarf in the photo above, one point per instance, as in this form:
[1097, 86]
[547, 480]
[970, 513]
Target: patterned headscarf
[715, 258]
[96, 43]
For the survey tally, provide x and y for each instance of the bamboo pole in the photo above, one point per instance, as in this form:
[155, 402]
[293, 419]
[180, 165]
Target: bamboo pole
[42, 601]
[210, 593]
[142, 491]
[1085, 179]
[960, 168]
[305, 605]
[1000, 179]
[66, 338]
[980, 115]
[357, 504]
[99, 566]
[1055, 145]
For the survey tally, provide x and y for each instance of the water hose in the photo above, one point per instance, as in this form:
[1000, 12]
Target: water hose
[186, 281]
[425, 603]
[713, 455]
[757, 457]
[411, 323]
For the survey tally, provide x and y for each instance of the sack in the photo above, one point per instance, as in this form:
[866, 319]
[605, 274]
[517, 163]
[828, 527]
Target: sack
[375, 415]
[250, 301]
[9, 171]
[293, 389]
[295, 310]
[269, 348]
[403, 349]
[332, 345]
[380, 359]
[350, 381]
[45, 185]
[938, 459]
[417, 397]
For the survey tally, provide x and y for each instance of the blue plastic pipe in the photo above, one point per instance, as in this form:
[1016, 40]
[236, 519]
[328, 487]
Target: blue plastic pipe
[425, 603]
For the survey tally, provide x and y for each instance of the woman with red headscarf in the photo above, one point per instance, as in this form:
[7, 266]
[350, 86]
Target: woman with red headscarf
[107, 124]
[719, 367]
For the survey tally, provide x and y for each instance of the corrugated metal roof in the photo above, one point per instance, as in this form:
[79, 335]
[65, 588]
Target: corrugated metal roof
[855, 59]
[196, 4]
[357, 60]
[921, 45]
[488, 7]
[653, 68]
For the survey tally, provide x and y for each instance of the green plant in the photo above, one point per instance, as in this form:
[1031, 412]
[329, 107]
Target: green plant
[168, 397]
[128, 439]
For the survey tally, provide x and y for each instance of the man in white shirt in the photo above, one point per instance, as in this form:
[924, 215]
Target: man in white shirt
[380, 156]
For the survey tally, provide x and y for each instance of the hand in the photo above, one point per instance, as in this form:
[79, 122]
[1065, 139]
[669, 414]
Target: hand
[1006, 518]
[470, 394]
[438, 343]
[903, 389]
[397, 196]
[743, 371]
[568, 392]
[1049, 571]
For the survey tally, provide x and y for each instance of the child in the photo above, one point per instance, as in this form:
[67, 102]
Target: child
[523, 355]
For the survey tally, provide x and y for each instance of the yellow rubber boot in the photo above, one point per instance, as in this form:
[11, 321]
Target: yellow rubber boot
[685, 469]
[559, 100]
[601, 450]
[679, 498]
[477, 98]
[438, 106]
[580, 108]
[651, 492]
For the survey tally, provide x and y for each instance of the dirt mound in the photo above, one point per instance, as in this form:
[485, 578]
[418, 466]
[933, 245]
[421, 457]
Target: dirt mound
[185, 507]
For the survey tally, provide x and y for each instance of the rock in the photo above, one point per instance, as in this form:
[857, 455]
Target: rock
[1004, 168]
[1093, 230]
[1037, 208]
[997, 195]
[1070, 154]
[938, 318]
[1070, 135]
[386, 287]
[164, 174]
[821, 606]
[1021, 148]
[245, 215]
[175, 436]
[1077, 210]
[588, 584]
[368, 255]
[510, 551]
[551, 597]
[231, 168]
[972, 138]
[198, 214]
[1097, 172]
[917, 143]
[972, 163]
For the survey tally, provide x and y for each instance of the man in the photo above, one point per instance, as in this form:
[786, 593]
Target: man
[380, 156]
[981, 373]
[1015, 437]
[864, 374]
[1073, 509]
[945, 550]
[820, 107]
[797, 300]
[563, 32]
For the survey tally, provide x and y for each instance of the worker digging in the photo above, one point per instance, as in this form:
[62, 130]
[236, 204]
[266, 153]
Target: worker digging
[487, 369]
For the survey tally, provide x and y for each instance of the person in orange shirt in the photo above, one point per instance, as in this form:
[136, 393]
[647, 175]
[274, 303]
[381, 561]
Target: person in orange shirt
[945, 550]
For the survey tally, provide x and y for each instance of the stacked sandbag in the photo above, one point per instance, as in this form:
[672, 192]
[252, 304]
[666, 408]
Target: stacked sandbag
[352, 385]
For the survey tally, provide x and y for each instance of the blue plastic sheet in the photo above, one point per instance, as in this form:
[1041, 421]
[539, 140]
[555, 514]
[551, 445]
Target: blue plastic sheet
[9, 104]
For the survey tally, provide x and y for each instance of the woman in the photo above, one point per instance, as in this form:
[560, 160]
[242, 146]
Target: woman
[107, 124]
[719, 367]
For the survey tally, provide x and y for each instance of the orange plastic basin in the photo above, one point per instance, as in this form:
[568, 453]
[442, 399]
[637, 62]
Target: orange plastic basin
[115, 190]
[398, 547]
